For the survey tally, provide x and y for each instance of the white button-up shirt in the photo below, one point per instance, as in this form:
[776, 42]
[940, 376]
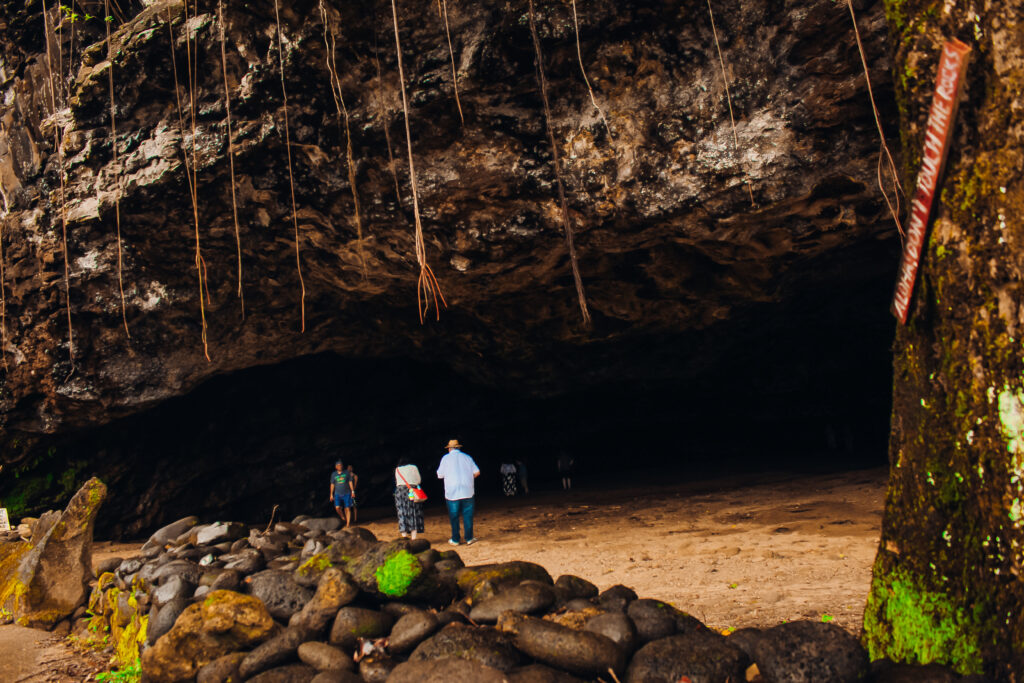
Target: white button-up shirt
[458, 470]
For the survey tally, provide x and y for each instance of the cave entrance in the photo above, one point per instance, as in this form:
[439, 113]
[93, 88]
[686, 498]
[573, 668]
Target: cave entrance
[240, 444]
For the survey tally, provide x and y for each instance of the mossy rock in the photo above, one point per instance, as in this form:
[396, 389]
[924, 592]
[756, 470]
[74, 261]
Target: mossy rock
[501, 574]
[224, 622]
[387, 570]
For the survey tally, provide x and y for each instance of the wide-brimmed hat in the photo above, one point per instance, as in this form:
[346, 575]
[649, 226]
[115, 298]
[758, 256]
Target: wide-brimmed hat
[454, 443]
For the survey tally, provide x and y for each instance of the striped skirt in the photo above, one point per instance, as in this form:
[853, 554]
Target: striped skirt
[410, 513]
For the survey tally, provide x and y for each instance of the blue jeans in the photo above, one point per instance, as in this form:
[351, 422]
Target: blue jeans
[465, 507]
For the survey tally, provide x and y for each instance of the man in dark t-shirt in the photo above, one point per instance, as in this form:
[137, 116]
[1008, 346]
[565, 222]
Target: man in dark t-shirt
[341, 492]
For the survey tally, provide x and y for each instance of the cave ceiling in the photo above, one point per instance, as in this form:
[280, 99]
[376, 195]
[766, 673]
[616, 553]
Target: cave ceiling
[700, 244]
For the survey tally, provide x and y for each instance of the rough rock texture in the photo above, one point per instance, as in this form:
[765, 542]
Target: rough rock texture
[223, 622]
[44, 582]
[696, 243]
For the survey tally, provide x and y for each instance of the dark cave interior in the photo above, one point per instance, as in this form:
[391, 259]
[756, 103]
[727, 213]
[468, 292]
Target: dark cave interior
[799, 386]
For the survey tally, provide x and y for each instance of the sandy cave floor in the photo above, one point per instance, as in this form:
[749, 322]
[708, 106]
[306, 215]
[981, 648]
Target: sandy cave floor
[742, 551]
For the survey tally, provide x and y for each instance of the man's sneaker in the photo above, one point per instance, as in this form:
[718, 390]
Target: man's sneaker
[471, 541]
[451, 542]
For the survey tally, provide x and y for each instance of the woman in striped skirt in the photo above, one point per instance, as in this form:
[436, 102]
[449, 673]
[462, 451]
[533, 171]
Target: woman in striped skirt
[410, 512]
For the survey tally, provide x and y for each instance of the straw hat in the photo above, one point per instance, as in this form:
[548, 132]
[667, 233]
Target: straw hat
[454, 443]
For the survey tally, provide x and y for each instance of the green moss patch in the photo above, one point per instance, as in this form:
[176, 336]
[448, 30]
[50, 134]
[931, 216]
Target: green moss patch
[397, 573]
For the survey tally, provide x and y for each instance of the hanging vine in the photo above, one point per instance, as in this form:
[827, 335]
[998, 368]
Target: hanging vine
[566, 220]
[883, 151]
[231, 152]
[191, 175]
[442, 9]
[117, 167]
[3, 300]
[59, 149]
[387, 135]
[427, 286]
[579, 55]
[291, 178]
[339, 103]
[728, 98]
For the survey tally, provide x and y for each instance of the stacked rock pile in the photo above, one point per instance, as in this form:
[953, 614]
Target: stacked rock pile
[305, 601]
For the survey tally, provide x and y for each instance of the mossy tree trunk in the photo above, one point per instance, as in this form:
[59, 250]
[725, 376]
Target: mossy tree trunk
[947, 584]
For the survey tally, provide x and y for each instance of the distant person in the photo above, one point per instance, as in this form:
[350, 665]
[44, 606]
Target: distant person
[521, 472]
[565, 464]
[508, 478]
[459, 472]
[354, 483]
[410, 512]
[341, 492]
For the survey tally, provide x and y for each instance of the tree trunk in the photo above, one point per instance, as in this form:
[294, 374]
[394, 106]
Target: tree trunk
[947, 582]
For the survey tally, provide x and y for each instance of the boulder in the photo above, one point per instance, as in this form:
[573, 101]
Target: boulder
[699, 656]
[221, 670]
[222, 623]
[324, 657]
[43, 583]
[503, 573]
[376, 668]
[579, 652]
[386, 570]
[168, 533]
[291, 673]
[324, 524]
[538, 673]
[527, 598]
[805, 651]
[446, 671]
[575, 587]
[410, 630]
[278, 650]
[353, 623]
[616, 598]
[332, 593]
[653, 619]
[616, 626]
[218, 532]
[162, 618]
[485, 646]
[279, 592]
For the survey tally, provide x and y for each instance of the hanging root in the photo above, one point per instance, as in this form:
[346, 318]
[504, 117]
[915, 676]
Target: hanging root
[3, 300]
[231, 152]
[442, 7]
[339, 103]
[897, 188]
[59, 149]
[427, 287]
[728, 97]
[190, 175]
[113, 144]
[579, 55]
[387, 135]
[566, 221]
[291, 178]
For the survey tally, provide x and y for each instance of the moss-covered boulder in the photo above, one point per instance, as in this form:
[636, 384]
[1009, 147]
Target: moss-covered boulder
[388, 570]
[500, 574]
[44, 582]
[224, 622]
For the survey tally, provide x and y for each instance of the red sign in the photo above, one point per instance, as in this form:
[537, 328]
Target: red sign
[948, 82]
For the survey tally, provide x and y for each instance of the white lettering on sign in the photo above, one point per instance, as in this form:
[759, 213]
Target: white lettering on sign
[948, 80]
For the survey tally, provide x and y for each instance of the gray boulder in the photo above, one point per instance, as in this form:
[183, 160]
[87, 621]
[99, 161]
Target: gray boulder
[701, 656]
[279, 592]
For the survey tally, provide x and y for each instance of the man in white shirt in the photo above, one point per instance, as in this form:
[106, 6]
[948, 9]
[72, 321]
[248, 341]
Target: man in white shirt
[459, 472]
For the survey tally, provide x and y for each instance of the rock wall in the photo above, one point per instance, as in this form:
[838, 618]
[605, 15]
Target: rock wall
[692, 238]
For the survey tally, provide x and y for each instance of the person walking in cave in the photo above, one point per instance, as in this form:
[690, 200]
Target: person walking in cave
[353, 483]
[459, 472]
[508, 478]
[565, 465]
[341, 492]
[410, 512]
[521, 473]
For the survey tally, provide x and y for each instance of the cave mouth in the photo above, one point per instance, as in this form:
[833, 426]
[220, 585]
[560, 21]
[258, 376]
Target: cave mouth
[791, 396]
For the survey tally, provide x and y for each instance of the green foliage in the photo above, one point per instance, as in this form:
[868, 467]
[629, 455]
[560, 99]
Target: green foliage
[129, 674]
[827, 618]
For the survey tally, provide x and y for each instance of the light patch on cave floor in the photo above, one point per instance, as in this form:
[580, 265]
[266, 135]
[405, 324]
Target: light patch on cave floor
[90, 261]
